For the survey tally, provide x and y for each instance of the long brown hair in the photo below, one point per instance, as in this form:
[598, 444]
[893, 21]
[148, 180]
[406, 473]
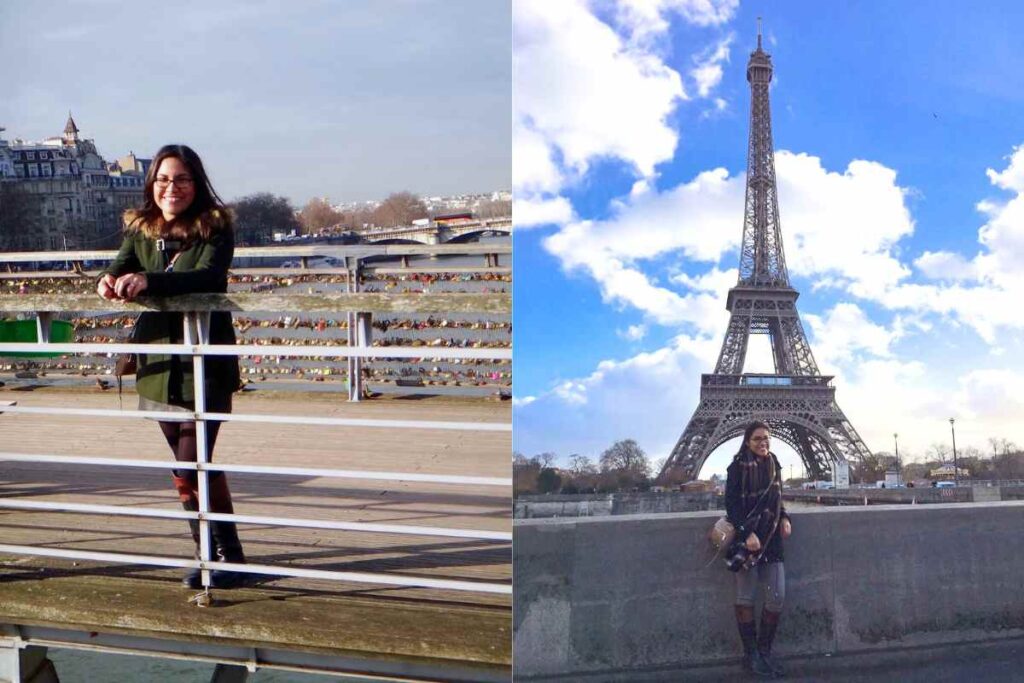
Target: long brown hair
[205, 216]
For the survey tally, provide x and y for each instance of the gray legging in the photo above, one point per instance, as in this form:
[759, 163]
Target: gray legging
[771, 575]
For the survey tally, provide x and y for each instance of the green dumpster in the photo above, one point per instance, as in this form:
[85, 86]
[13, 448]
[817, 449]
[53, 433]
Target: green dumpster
[61, 332]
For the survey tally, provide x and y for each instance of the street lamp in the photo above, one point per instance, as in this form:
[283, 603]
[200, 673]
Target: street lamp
[956, 468]
[896, 439]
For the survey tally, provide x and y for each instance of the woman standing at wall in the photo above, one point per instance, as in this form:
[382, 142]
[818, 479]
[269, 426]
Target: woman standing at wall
[753, 502]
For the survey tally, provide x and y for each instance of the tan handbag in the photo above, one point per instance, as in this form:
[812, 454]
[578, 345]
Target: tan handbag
[721, 534]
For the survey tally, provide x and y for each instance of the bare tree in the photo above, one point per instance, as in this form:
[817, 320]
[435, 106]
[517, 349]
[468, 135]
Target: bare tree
[318, 214]
[399, 208]
[625, 466]
[581, 465]
[940, 452]
[493, 208]
[258, 216]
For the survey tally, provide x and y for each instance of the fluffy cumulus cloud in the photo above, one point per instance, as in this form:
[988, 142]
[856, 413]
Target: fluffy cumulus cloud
[708, 71]
[844, 334]
[587, 89]
[842, 227]
[581, 88]
[982, 292]
[588, 414]
[650, 17]
[840, 231]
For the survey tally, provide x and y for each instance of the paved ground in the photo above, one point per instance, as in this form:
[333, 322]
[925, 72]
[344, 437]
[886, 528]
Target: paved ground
[988, 662]
[411, 450]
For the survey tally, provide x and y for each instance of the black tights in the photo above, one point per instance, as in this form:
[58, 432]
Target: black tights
[181, 437]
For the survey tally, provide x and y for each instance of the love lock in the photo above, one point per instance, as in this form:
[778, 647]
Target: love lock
[201, 599]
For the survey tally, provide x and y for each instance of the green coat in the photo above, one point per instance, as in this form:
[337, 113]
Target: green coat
[202, 267]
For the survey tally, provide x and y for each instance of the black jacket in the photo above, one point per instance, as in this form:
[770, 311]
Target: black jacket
[747, 510]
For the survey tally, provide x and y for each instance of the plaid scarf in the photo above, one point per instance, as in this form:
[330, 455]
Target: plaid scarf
[761, 495]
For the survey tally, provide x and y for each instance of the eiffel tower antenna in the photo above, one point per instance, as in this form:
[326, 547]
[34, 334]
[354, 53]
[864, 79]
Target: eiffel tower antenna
[796, 401]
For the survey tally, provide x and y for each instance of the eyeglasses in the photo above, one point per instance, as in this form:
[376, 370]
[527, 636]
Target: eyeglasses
[163, 181]
[760, 438]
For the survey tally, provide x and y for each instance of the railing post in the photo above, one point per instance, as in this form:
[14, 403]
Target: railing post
[197, 331]
[355, 365]
[43, 321]
[20, 663]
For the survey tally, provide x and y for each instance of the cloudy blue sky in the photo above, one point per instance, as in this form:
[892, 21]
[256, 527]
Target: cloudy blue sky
[898, 132]
[350, 100]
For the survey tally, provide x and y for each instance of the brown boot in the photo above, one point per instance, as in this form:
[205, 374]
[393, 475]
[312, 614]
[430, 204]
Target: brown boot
[752, 660]
[769, 623]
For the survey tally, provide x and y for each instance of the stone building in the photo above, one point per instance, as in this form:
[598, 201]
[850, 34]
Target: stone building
[76, 197]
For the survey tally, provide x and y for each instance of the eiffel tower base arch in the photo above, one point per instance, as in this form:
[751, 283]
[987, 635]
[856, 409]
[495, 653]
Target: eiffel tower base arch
[802, 413]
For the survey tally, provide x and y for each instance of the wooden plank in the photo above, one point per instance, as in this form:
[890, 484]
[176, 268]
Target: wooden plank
[496, 304]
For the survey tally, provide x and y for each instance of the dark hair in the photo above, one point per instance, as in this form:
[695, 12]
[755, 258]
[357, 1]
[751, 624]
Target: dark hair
[749, 432]
[204, 216]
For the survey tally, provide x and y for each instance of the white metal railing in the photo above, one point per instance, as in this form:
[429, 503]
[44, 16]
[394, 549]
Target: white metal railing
[196, 309]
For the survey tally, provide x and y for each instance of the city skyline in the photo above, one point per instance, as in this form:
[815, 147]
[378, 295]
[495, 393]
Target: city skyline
[305, 101]
[899, 165]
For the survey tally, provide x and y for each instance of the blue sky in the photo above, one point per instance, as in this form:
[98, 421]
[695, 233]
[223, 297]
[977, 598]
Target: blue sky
[896, 129]
[350, 100]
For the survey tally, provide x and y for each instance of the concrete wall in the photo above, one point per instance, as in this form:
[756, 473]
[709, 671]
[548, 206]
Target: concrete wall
[630, 594]
[591, 505]
[963, 494]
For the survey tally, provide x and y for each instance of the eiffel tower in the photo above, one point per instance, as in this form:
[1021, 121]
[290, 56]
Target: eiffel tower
[796, 401]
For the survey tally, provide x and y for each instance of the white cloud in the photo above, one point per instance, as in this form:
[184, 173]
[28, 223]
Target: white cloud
[990, 394]
[945, 265]
[708, 71]
[633, 332]
[839, 229]
[842, 225]
[844, 334]
[614, 402]
[533, 168]
[647, 17]
[588, 93]
[536, 211]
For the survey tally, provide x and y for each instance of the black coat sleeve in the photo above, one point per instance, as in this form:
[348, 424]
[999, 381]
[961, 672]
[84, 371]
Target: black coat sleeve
[209, 274]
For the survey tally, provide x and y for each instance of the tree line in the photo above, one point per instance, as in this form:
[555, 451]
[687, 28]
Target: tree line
[257, 217]
[624, 467]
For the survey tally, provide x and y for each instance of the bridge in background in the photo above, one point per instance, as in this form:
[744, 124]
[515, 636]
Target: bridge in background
[438, 232]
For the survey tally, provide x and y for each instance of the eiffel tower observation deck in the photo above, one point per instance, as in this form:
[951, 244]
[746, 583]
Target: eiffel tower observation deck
[796, 401]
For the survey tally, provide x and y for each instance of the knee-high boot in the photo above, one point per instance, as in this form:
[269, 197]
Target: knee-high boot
[769, 622]
[227, 547]
[752, 660]
[187, 494]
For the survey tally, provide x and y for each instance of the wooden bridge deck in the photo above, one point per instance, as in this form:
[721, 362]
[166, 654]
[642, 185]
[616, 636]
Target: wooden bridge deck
[474, 624]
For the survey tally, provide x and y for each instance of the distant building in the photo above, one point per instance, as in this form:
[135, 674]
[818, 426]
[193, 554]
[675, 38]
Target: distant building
[80, 197]
[947, 471]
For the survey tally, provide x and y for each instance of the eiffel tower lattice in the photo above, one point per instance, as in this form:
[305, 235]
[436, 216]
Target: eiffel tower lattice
[796, 401]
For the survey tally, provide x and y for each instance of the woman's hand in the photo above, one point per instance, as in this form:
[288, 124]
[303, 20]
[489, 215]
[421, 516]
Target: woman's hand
[753, 543]
[105, 287]
[131, 285]
[785, 528]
